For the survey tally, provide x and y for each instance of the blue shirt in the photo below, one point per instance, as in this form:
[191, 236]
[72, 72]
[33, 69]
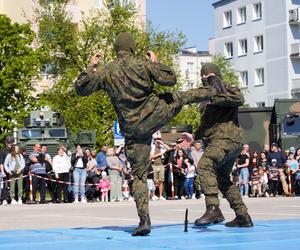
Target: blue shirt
[101, 160]
[279, 156]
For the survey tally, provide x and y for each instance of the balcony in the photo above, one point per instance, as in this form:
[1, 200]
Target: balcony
[294, 16]
[295, 50]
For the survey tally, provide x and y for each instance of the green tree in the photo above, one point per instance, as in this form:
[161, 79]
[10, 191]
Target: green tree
[19, 64]
[68, 47]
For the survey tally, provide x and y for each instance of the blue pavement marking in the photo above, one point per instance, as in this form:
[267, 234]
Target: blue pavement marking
[274, 235]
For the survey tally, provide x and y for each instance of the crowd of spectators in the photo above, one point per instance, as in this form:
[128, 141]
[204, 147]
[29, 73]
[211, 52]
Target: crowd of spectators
[87, 176]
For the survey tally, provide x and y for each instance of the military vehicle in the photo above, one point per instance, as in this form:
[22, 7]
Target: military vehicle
[47, 127]
[280, 124]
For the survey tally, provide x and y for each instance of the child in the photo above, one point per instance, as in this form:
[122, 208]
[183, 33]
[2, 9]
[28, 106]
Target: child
[273, 174]
[125, 190]
[189, 178]
[255, 183]
[104, 186]
[150, 184]
[263, 181]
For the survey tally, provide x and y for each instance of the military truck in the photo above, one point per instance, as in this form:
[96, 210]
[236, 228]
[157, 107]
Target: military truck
[280, 123]
[48, 127]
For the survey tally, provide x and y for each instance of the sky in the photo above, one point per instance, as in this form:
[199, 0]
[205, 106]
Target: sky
[193, 17]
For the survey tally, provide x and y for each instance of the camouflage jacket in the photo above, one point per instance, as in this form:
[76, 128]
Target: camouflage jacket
[129, 82]
[220, 118]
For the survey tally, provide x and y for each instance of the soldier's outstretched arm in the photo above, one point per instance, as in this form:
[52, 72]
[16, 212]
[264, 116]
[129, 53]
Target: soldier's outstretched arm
[233, 98]
[90, 80]
[160, 73]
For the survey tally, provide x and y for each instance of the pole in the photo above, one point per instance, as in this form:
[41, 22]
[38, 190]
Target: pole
[186, 221]
[172, 180]
[290, 182]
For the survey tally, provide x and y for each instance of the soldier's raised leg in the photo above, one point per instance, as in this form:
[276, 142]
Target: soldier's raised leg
[138, 155]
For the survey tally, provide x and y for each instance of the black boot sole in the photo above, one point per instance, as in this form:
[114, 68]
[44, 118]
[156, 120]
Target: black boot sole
[214, 222]
[249, 225]
[143, 232]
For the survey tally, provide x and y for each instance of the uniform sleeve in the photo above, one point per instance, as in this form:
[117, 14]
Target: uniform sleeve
[161, 74]
[90, 80]
[233, 98]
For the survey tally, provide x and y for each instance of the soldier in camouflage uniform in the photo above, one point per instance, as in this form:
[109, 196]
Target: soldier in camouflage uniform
[129, 82]
[222, 137]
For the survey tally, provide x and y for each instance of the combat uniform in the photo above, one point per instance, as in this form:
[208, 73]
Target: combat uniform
[222, 139]
[129, 82]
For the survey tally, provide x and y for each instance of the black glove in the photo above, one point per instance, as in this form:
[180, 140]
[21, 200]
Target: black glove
[167, 97]
[215, 82]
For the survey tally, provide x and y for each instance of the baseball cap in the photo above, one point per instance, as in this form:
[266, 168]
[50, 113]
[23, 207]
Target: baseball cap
[274, 160]
[9, 140]
[274, 144]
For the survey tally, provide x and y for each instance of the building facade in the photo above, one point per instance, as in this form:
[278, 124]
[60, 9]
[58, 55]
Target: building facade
[189, 62]
[261, 38]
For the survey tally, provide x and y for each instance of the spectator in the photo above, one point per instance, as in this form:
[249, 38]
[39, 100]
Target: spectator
[14, 164]
[190, 171]
[196, 154]
[185, 142]
[38, 168]
[254, 161]
[273, 174]
[79, 162]
[101, 158]
[280, 163]
[3, 153]
[293, 167]
[49, 171]
[93, 177]
[255, 182]
[266, 149]
[178, 172]
[169, 158]
[262, 161]
[297, 155]
[246, 150]
[156, 156]
[114, 170]
[104, 186]
[61, 168]
[243, 167]
[150, 184]
[263, 181]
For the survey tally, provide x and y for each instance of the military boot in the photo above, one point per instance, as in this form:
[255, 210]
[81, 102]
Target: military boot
[144, 227]
[240, 221]
[212, 214]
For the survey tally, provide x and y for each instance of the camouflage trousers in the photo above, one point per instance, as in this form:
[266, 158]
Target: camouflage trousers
[213, 171]
[138, 155]
[138, 146]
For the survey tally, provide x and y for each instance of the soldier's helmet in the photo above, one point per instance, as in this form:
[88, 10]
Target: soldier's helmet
[210, 68]
[125, 41]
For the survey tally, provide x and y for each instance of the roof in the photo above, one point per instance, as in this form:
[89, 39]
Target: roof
[191, 52]
[221, 2]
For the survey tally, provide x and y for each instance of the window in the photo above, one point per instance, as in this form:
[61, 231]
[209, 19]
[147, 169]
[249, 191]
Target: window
[190, 67]
[258, 44]
[98, 4]
[242, 50]
[228, 50]
[227, 19]
[259, 77]
[244, 79]
[257, 12]
[242, 16]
